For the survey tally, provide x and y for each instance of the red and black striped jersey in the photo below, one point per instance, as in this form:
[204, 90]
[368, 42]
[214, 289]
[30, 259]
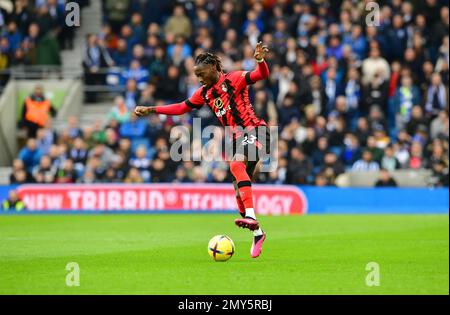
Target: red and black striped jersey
[229, 101]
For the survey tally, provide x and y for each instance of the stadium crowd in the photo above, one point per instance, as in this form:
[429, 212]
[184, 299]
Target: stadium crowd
[346, 95]
[33, 32]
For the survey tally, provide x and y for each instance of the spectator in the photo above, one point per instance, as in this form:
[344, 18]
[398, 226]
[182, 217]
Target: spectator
[95, 57]
[181, 175]
[288, 112]
[440, 126]
[112, 138]
[318, 154]
[389, 162]
[46, 137]
[135, 129]
[121, 56]
[366, 164]
[178, 23]
[353, 96]
[30, 154]
[98, 133]
[19, 174]
[67, 174]
[332, 89]
[375, 67]
[375, 93]
[332, 167]
[299, 168]
[319, 98]
[117, 12]
[132, 94]
[88, 177]
[160, 172]
[142, 163]
[13, 35]
[74, 128]
[137, 26]
[440, 176]
[120, 166]
[179, 50]
[377, 153]
[321, 181]
[406, 96]
[397, 37]
[416, 156]
[45, 169]
[133, 177]
[358, 42]
[385, 179]
[47, 50]
[437, 96]
[437, 154]
[136, 72]
[352, 150]
[169, 88]
[78, 154]
[363, 130]
[119, 112]
[417, 121]
[102, 155]
[111, 176]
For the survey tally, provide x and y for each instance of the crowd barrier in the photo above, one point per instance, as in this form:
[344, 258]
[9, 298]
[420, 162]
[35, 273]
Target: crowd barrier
[269, 199]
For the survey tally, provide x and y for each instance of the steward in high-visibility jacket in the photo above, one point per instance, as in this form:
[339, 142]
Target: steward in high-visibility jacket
[17, 205]
[37, 110]
[13, 202]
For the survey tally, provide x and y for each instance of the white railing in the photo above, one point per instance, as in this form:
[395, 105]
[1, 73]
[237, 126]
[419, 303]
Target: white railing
[8, 120]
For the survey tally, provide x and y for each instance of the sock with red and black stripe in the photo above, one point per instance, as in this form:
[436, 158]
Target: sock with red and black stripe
[244, 186]
[241, 206]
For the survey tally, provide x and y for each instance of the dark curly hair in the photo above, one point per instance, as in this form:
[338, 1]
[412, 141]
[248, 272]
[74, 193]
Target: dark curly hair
[209, 59]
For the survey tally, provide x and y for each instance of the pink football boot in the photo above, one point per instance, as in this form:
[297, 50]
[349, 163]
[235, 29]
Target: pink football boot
[247, 223]
[256, 249]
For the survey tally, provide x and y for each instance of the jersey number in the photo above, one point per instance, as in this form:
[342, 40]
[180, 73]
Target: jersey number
[249, 140]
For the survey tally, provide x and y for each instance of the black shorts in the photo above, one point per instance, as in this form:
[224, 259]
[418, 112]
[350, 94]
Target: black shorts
[253, 144]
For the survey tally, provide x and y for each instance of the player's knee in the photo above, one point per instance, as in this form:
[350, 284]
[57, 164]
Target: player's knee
[236, 168]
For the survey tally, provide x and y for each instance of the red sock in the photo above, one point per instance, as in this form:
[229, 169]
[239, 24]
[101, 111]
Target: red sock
[243, 183]
[241, 206]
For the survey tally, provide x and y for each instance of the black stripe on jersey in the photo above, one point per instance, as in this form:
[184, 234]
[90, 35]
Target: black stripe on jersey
[245, 112]
[192, 105]
[250, 111]
[247, 79]
[204, 91]
[234, 112]
[223, 118]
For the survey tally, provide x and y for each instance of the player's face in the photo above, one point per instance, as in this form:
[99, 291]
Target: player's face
[207, 74]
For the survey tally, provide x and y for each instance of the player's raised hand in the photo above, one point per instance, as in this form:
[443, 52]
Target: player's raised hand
[260, 51]
[143, 110]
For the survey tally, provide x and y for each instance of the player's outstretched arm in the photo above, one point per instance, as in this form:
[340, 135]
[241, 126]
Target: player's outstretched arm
[262, 70]
[172, 109]
[194, 102]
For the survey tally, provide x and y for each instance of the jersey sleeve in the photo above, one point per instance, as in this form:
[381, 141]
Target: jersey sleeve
[240, 79]
[196, 100]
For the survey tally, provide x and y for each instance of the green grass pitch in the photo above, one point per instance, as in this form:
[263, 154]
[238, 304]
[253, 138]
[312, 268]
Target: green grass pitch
[167, 254]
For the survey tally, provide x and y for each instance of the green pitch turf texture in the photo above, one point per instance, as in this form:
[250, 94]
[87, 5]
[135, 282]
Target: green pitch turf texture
[166, 254]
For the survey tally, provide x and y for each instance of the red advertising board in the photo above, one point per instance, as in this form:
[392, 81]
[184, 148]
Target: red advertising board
[269, 199]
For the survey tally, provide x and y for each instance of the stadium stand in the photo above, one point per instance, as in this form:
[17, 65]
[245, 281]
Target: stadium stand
[349, 99]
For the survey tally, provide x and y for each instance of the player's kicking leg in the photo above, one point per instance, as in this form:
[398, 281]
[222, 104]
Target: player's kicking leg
[244, 192]
[244, 197]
